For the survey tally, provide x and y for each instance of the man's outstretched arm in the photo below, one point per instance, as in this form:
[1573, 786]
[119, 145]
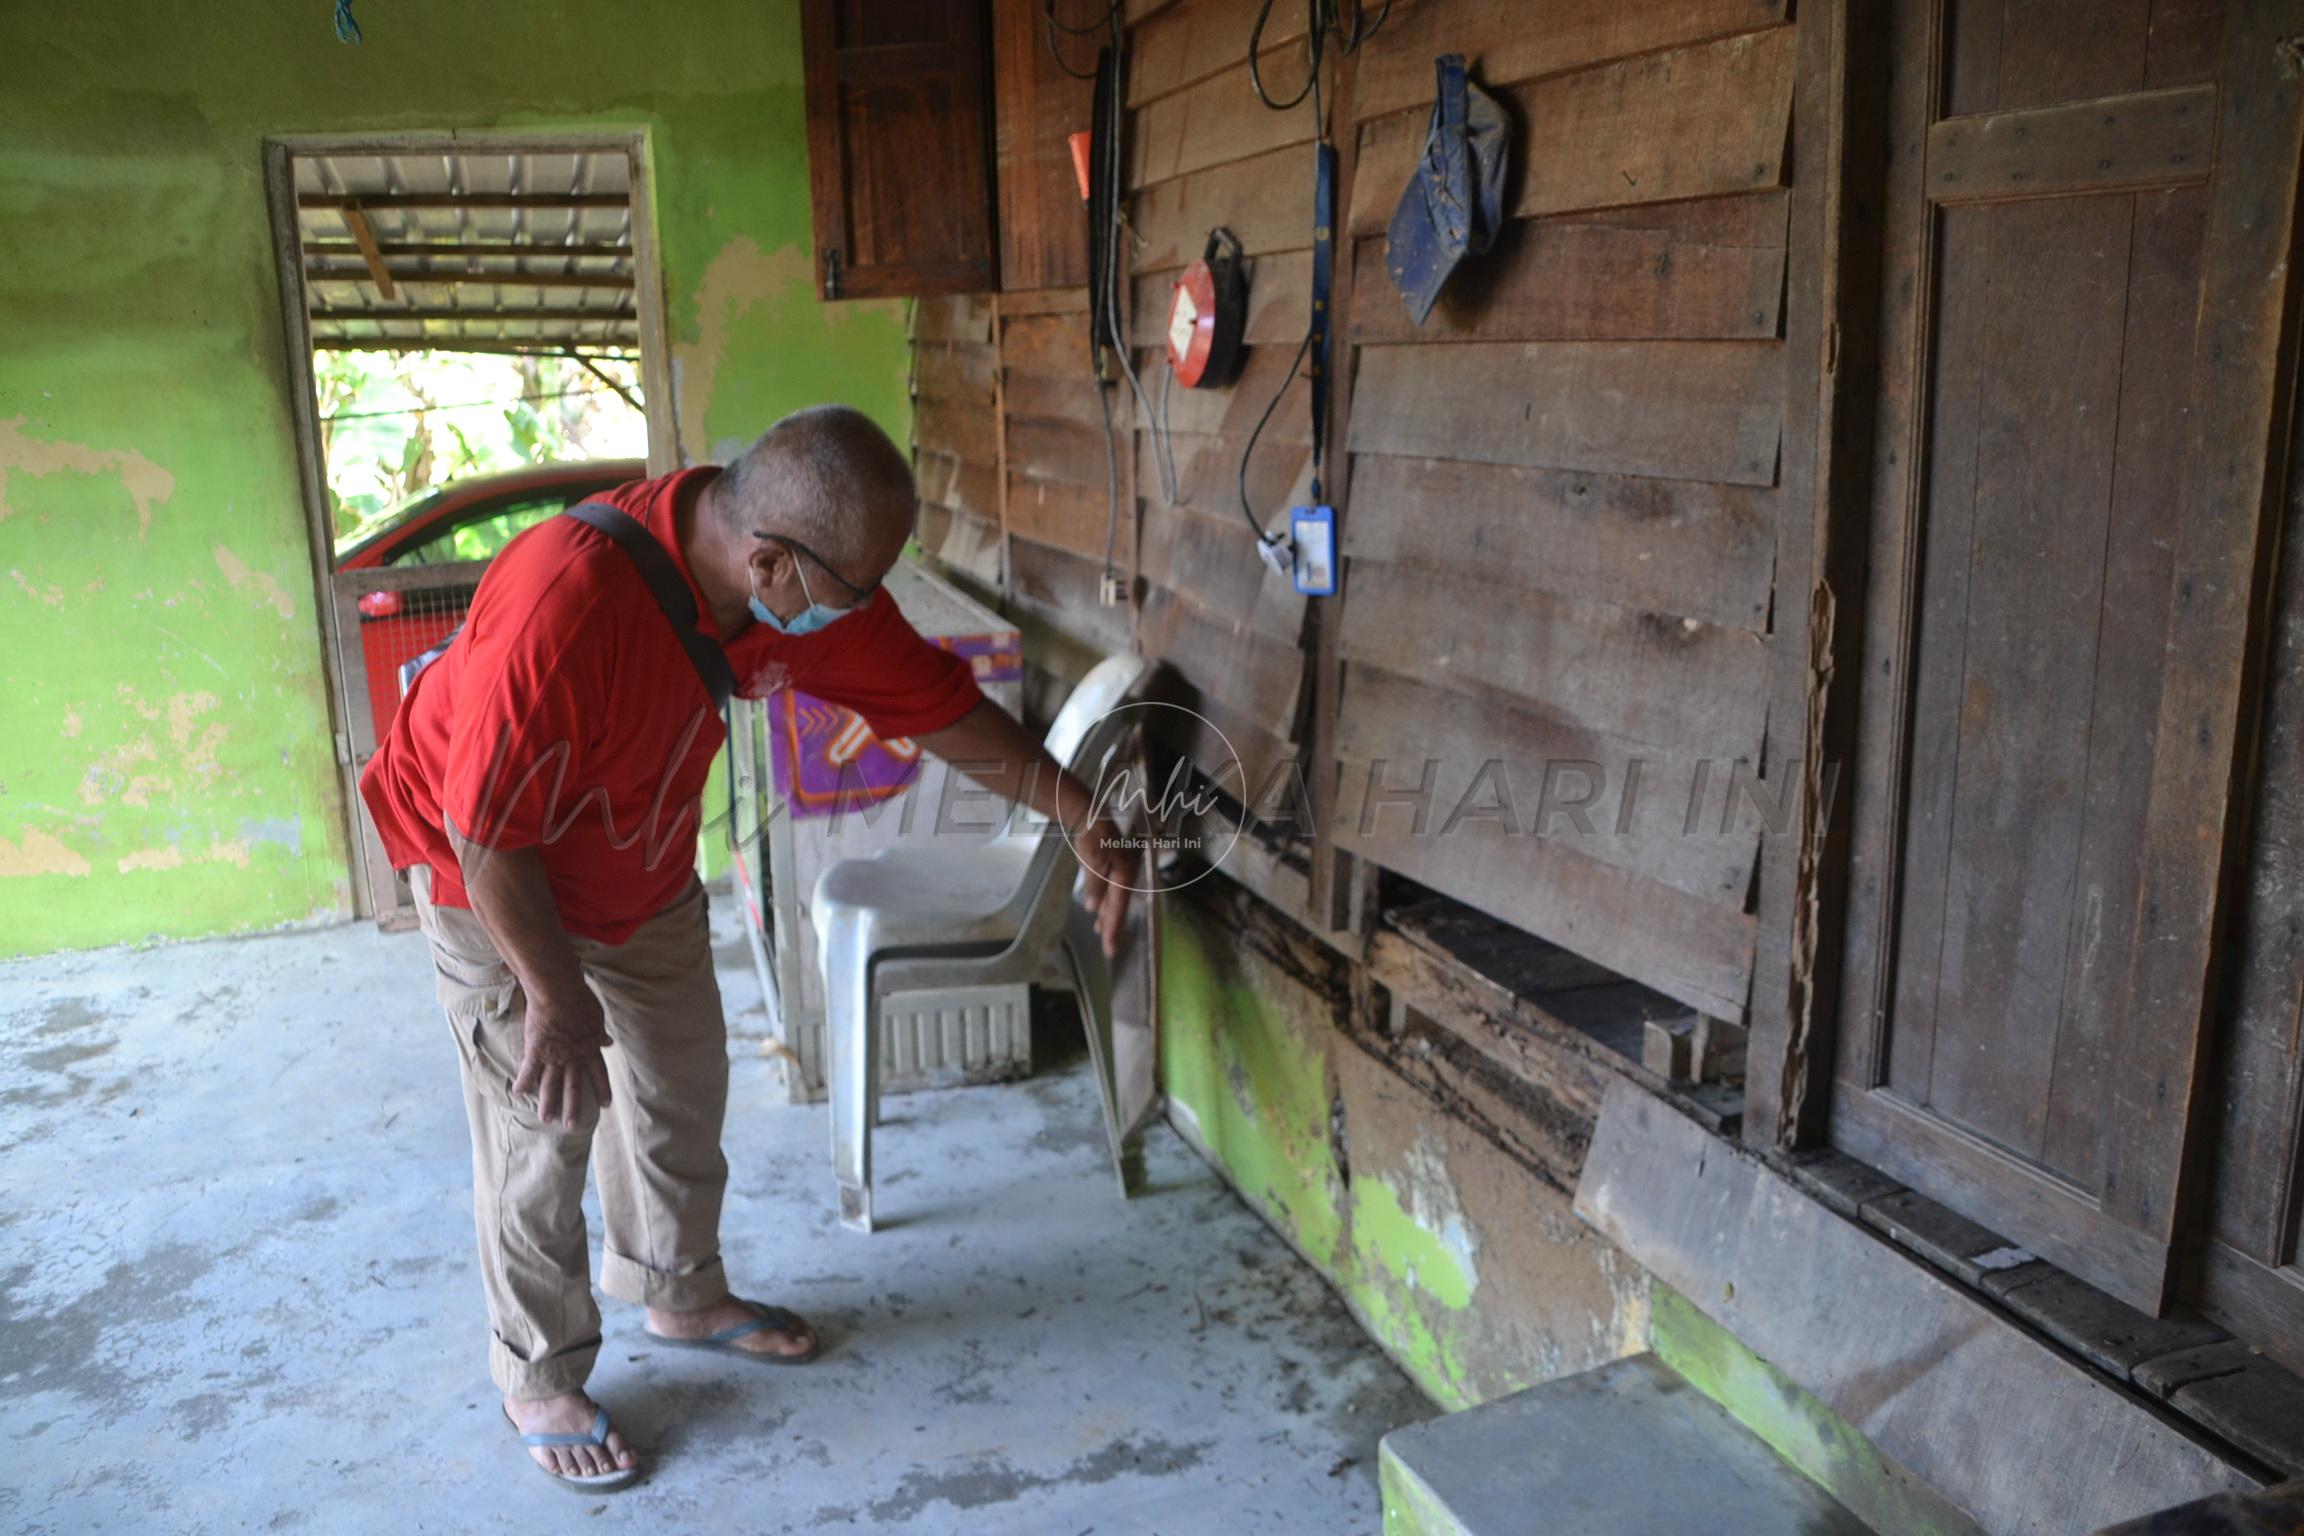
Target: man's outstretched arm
[990, 747]
[565, 1030]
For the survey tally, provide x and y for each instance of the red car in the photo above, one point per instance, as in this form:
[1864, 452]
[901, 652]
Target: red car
[464, 520]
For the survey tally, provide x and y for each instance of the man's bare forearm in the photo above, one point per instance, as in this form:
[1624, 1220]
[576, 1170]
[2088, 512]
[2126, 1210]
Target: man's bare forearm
[989, 747]
[513, 901]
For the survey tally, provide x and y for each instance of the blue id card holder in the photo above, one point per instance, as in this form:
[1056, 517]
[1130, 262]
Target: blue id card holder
[1312, 530]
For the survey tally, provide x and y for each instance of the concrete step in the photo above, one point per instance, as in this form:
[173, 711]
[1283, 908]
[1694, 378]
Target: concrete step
[1630, 1447]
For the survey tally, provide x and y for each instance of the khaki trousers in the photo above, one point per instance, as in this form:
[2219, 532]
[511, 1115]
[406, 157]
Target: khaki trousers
[656, 1150]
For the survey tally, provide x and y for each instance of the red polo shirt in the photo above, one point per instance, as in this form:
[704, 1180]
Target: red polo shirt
[567, 718]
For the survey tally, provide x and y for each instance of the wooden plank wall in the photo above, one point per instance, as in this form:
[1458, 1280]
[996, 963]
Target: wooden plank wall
[1203, 152]
[955, 435]
[1560, 517]
[1557, 498]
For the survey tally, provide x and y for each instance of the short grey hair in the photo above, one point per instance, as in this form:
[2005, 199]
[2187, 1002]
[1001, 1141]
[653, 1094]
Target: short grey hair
[828, 476]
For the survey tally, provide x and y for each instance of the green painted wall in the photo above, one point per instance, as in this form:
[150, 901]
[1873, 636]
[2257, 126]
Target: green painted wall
[1474, 1282]
[166, 758]
[1466, 1269]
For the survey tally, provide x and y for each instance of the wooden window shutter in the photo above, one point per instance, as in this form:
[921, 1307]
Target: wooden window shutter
[898, 166]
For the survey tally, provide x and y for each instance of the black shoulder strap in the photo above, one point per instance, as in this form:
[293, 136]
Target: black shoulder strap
[665, 583]
[670, 589]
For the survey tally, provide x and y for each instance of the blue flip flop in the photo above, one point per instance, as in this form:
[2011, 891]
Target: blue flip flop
[724, 1342]
[604, 1482]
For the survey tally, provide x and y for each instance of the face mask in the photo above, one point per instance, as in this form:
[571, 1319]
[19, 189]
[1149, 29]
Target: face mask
[807, 621]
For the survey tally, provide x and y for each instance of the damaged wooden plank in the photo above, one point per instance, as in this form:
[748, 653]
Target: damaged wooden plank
[1214, 559]
[1045, 301]
[1653, 814]
[960, 484]
[1070, 451]
[1061, 588]
[1502, 48]
[963, 431]
[1076, 398]
[1706, 270]
[1695, 951]
[1250, 762]
[1702, 121]
[1052, 345]
[1208, 475]
[1216, 121]
[1187, 43]
[1232, 411]
[1680, 547]
[1671, 683]
[1068, 517]
[1912, 1360]
[2149, 139]
[1521, 1035]
[956, 373]
[1265, 200]
[1706, 410]
[953, 317]
[1254, 673]
[971, 546]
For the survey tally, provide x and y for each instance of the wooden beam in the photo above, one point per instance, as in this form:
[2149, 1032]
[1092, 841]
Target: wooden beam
[386, 276]
[373, 259]
[1710, 410]
[491, 316]
[2124, 143]
[375, 200]
[1339, 875]
[465, 249]
[1832, 354]
[542, 346]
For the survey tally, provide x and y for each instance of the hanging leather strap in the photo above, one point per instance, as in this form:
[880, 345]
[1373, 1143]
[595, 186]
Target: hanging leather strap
[665, 584]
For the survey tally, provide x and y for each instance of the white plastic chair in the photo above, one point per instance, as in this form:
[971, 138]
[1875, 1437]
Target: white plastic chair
[923, 919]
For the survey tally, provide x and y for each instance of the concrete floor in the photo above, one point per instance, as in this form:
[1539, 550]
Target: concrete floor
[237, 1292]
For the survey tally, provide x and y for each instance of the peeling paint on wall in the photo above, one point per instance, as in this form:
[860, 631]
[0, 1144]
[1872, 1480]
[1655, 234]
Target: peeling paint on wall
[153, 545]
[1474, 1276]
[242, 579]
[740, 278]
[39, 853]
[147, 483]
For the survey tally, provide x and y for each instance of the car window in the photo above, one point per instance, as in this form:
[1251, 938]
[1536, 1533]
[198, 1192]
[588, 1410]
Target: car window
[485, 535]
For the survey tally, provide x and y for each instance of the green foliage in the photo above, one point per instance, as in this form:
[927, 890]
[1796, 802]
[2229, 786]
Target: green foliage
[396, 424]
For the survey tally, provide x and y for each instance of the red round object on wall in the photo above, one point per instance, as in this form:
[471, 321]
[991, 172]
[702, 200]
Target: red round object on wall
[1206, 312]
[1192, 324]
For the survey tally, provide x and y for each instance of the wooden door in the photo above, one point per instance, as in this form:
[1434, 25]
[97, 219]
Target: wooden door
[2087, 216]
[899, 166]
[2252, 1270]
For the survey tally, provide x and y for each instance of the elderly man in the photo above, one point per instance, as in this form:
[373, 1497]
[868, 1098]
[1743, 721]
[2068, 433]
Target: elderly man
[542, 785]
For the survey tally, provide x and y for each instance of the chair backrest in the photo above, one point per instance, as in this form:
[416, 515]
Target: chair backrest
[1104, 689]
[1085, 730]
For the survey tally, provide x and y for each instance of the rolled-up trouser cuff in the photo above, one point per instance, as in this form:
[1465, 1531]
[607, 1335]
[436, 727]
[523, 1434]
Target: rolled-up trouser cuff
[564, 1372]
[628, 1279]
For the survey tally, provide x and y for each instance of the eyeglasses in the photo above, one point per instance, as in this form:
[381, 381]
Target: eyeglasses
[858, 594]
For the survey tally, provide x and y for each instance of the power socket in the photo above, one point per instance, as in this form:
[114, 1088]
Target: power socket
[1109, 590]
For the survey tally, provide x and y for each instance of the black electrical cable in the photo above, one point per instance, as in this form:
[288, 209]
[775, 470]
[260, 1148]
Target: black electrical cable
[1108, 22]
[1344, 20]
[1249, 451]
[1312, 89]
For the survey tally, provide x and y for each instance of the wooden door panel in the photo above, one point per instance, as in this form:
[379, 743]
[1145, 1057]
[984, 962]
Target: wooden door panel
[2031, 665]
[2030, 937]
[899, 156]
[2007, 54]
